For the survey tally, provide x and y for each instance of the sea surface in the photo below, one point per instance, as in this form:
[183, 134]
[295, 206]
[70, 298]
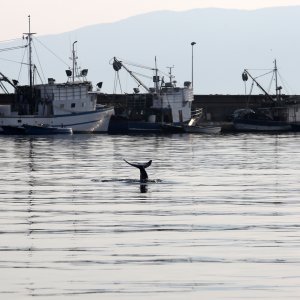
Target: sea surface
[219, 220]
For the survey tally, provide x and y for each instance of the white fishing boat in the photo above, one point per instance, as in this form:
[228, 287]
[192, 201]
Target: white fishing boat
[163, 108]
[72, 104]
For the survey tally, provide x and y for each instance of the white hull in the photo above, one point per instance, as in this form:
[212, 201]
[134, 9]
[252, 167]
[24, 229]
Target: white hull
[93, 121]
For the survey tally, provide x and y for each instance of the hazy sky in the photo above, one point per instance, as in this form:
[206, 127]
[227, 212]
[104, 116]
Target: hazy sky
[56, 16]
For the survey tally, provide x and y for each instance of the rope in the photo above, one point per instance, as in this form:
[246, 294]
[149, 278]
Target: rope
[3, 88]
[12, 48]
[11, 40]
[22, 64]
[115, 86]
[17, 62]
[249, 96]
[116, 81]
[36, 53]
[52, 53]
[284, 83]
[119, 82]
[39, 75]
[135, 64]
[270, 85]
[264, 74]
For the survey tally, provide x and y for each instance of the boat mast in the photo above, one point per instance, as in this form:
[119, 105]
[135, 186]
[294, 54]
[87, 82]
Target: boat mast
[170, 73]
[74, 61]
[156, 77]
[29, 37]
[156, 81]
[276, 80]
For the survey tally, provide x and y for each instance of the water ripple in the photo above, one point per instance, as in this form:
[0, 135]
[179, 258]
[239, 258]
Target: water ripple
[222, 221]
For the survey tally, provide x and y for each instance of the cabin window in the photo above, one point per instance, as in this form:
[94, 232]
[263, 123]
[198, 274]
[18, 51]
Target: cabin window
[72, 105]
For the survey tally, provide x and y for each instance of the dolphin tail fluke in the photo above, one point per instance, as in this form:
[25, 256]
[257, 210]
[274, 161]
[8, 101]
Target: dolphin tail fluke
[141, 167]
[148, 164]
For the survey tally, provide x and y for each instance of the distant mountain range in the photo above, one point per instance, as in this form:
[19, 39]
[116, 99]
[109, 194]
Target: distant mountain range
[227, 41]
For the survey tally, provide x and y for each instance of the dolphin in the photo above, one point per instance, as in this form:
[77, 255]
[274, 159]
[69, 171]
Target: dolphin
[141, 167]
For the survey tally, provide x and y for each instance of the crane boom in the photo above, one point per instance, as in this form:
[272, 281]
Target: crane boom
[117, 65]
[266, 93]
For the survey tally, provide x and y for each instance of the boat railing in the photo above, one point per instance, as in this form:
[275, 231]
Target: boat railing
[197, 113]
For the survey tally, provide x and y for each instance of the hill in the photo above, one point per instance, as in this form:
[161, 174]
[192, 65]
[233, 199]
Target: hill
[227, 42]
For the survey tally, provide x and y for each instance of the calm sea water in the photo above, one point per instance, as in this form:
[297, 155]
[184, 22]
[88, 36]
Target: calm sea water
[223, 223]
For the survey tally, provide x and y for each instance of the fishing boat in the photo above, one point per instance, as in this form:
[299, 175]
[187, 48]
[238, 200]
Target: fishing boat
[260, 120]
[276, 113]
[162, 108]
[72, 104]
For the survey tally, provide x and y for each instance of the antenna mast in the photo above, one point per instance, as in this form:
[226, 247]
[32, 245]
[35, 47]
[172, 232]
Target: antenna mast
[74, 61]
[156, 77]
[29, 38]
[276, 79]
[170, 73]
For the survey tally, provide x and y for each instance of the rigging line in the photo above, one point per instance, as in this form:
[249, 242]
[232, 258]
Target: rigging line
[53, 53]
[114, 90]
[12, 48]
[120, 83]
[163, 73]
[10, 40]
[143, 75]
[135, 64]
[284, 83]
[264, 74]
[116, 83]
[3, 88]
[270, 85]
[250, 93]
[36, 53]
[22, 64]
[17, 62]
[41, 79]
[258, 69]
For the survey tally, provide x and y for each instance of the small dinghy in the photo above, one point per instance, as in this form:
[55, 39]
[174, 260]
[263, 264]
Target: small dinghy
[196, 125]
[208, 129]
[45, 129]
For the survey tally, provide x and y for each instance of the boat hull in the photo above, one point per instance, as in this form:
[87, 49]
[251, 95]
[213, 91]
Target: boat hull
[93, 121]
[260, 126]
[119, 125]
[46, 130]
[295, 127]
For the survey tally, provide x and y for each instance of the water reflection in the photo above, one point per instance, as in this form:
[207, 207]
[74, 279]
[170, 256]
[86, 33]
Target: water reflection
[143, 188]
[222, 223]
